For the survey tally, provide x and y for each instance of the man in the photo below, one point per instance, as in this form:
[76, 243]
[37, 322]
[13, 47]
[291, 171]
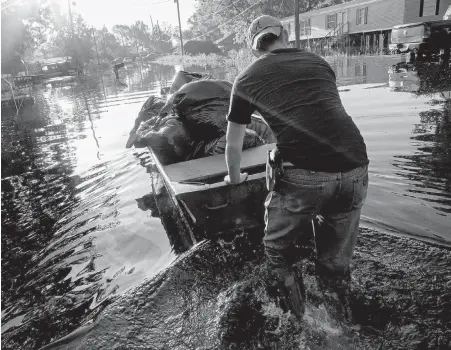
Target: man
[295, 92]
[116, 68]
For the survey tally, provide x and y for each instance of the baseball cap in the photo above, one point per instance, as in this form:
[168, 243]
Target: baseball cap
[264, 25]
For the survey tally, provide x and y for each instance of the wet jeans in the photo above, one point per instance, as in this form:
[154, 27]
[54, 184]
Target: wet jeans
[301, 196]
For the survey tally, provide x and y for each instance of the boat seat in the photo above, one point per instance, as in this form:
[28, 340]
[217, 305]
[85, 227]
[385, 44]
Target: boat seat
[206, 168]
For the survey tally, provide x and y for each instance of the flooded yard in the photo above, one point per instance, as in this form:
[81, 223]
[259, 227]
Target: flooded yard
[83, 244]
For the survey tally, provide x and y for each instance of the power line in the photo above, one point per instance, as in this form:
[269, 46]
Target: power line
[7, 6]
[159, 2]
[223, 24]
[233, 3]
[180, 26]
[280, 7]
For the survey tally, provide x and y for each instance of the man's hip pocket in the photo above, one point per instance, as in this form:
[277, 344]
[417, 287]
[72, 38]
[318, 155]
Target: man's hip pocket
[301, 198]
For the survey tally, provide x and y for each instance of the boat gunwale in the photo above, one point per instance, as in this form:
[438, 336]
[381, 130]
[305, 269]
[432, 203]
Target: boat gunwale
[172, 195]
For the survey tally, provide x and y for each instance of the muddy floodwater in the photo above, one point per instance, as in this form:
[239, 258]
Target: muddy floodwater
[85, 253]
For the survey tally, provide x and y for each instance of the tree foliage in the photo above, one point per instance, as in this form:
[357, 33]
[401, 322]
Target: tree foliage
[218, 18]
[35, 29]
[107, 44]
[79, 44]
[23, 29]
[41, 28]
[121, 32]
[141, 37]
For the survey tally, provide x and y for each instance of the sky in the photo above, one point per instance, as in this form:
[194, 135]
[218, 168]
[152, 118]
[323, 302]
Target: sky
[108, 12]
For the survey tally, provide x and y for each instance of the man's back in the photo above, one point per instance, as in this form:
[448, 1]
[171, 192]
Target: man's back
[295, 92]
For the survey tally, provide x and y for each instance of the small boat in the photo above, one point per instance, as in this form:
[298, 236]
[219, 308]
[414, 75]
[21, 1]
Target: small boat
[207, 204]
[61, 79]
[58, 67]
[28, 80]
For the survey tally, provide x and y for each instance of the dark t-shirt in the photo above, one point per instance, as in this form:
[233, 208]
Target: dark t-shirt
[295, 91]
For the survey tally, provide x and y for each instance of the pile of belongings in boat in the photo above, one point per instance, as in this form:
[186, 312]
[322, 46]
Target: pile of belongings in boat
[191, 123]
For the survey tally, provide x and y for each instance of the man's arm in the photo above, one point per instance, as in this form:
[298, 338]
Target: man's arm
[239, 116]
[234, 147]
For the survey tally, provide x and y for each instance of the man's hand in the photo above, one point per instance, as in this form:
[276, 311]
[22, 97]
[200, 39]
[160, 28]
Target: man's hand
[243, 177]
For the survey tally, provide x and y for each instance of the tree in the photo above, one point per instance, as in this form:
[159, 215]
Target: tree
[121, 32]
[139, 36]
[107, 44]
[218, 18]
[188, 34]
[79, 45]
[24, 29]
[161, 41]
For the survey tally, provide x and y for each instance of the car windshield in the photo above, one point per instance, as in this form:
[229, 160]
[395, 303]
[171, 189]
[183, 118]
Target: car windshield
[447, 13]
[410, 34]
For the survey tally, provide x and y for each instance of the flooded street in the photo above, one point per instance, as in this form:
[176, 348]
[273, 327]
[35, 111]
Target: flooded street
[80, 229]
[75, 229]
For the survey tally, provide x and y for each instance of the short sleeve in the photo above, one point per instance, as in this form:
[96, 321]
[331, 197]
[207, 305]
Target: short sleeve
[241, 108]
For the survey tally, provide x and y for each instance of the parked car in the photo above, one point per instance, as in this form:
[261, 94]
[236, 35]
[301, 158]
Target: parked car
[424, 38]
[447, 14]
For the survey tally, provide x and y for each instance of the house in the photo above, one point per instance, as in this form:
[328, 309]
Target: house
[196, 47]
[227, 43]
[362, 24]
[424, 10]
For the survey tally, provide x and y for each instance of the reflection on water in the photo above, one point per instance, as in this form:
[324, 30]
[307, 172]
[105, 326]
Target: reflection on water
[73, 236]
[79, 222]
[430, 167]
[408, 144]
[361, 69]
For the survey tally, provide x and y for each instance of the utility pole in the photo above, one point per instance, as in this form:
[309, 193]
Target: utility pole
[159, 38]
[73, 36]
[95, 43]
[70, 17]
[297, 28]
[151, 21]
[180, 25]
[153, 28]
[159, 32]
[104, 42]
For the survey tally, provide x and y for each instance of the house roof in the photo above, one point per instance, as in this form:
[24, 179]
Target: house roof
[333, 8]
[55, 60]
[229, 39]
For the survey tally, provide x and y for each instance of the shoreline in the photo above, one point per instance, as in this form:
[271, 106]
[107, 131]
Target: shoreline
[390, 297]
[438, 242]
[233, 58]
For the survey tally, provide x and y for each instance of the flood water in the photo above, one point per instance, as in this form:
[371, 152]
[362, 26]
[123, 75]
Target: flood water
[78, 225]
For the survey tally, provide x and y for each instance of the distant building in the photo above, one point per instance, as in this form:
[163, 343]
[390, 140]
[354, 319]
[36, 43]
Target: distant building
[196, 47]
[227, 43]
[56, 60]
[424, 10]
[362, 24]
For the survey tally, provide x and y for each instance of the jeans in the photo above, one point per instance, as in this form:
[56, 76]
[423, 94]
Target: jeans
[300, 197]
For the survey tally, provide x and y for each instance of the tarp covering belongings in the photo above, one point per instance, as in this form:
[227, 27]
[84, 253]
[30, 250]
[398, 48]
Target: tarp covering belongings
[191, 123]
[182, 78]
[203, 105]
